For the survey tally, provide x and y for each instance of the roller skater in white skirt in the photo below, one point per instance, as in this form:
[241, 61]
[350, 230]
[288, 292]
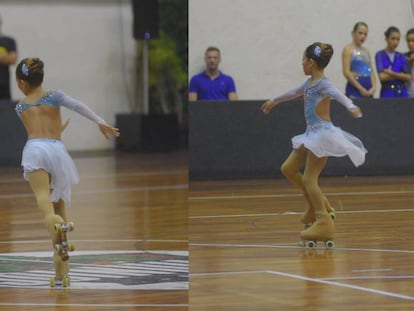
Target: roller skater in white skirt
[46, 163]
[320, 140]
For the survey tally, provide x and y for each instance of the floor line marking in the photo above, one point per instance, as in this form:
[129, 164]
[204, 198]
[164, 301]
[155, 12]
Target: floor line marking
[226, 273]
[94, 241]
[126, 189]
[356, 287]
[287, 195]
[371, 270]
[87, 177]
[300, 213]
[378, 277]
[294, 246]
[304, 278]
[94, 305]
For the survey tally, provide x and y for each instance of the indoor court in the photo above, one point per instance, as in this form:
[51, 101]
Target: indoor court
[131, 252]
[245, 248]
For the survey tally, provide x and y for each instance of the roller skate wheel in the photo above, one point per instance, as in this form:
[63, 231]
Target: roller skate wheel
[329, 244]
[58, 248]
[71, 226]
[66, 281]
[71, 246]
[52, 282]
[310, 244]
[58, 228]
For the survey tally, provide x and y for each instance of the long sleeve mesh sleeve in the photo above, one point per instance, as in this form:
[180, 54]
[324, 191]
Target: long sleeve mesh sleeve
[329, 89]
[291, 94]
[77, 106]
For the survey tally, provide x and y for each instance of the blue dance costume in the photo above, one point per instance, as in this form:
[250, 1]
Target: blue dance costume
[321, 136]
[51, 154]
[410, 84]
[392, 88]
[361, 70]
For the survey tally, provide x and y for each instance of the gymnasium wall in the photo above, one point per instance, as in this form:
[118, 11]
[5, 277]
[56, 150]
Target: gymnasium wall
[262, 41]
[88, 50]
[231, 140]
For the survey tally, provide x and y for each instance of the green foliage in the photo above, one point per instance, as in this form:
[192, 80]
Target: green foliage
[164, 60]
[167, 60]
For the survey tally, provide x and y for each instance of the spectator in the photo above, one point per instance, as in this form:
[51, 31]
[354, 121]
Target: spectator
[356, 65]
[212, 84]
[410, 57]
[8, 56]
[392, 66]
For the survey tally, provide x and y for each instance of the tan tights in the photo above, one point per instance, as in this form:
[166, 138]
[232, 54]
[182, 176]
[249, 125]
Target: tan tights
[53, 213]
[308, 181]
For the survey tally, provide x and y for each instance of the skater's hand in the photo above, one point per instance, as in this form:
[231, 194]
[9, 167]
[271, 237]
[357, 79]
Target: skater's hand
[108, 130]
[267, 106]
[356, 112]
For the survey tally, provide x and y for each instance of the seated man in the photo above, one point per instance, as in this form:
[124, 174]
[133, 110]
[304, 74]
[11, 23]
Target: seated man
[212, 84]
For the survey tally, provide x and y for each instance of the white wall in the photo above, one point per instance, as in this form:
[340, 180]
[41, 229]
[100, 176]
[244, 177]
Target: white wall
[262, 41]
[88, 50]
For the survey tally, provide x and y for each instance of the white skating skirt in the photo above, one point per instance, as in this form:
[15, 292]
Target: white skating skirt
[51, 155]
[327, 140]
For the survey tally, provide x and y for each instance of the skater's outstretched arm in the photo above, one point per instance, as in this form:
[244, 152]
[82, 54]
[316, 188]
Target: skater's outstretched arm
[75, 105]
[291, 94]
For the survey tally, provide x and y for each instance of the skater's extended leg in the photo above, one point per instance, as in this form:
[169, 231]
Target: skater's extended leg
[323, 227]
[291, 170]
[39, 182]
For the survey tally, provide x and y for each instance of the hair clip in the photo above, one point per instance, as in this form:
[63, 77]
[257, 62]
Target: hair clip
[25, 70]
[317, 51]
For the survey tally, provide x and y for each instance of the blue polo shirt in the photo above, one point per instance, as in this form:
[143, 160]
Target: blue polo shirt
[208, 89]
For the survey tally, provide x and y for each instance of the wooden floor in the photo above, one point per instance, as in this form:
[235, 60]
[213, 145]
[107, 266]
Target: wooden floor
[245, 253]
[123, 202]
[244, 238]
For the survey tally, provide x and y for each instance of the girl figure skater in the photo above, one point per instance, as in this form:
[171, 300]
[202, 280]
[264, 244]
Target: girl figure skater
[356, 65]
[46, 163]
[320, 140]
[392, 66]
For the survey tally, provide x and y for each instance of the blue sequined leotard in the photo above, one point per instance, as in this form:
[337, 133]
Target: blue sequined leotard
[47, 99]
[321, 137]
[361, 70]
[58, 98]
[360, 63]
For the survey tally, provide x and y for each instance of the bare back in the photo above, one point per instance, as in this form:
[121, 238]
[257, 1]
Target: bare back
[42, 122]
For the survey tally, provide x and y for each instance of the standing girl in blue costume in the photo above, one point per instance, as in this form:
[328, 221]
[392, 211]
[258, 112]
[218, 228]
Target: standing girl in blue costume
[320, 140]
[392, 66]
[410, 58]
[46, 163]
[356, 65]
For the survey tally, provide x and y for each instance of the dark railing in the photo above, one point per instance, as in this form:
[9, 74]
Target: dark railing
[230, 140]
[12, 135]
